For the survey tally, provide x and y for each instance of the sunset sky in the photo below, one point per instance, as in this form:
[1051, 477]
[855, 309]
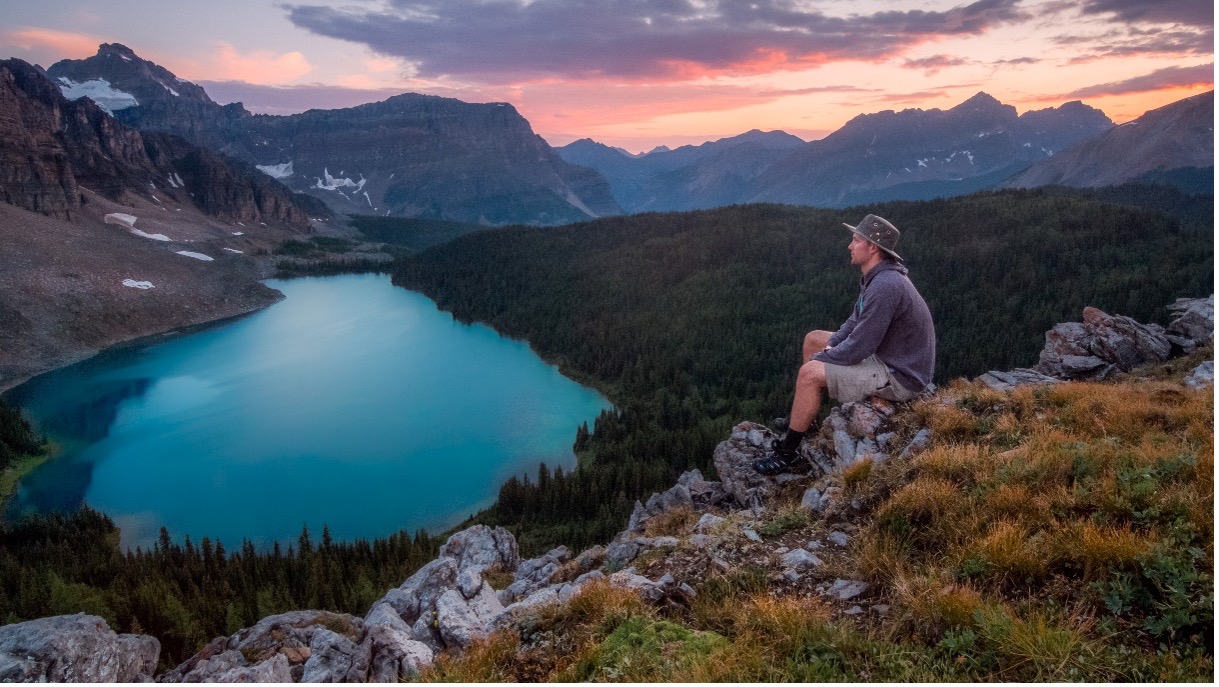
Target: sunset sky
[641, 73]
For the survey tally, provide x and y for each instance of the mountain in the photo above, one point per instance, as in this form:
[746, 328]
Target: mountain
[411, 155]
[686, 178]
[1165, 145]
[108, 233]
[920, 154]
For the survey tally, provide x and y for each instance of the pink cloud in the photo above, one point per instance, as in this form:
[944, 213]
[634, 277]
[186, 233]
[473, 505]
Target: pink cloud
[262, 67]
[63, 43]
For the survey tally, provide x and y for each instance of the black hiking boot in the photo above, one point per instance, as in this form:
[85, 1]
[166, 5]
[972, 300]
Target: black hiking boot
[780, 460]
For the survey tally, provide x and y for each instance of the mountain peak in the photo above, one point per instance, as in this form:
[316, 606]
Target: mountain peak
[118, 49]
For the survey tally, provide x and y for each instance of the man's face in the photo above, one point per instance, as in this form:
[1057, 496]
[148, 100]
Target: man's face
[861, 249]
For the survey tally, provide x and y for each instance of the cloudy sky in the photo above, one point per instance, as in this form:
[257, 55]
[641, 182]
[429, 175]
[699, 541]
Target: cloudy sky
[640, 73]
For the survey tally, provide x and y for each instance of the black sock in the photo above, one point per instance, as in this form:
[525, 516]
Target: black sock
[791, 440]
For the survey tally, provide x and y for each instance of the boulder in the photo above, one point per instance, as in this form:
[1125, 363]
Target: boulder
[74, 648]
[844, 590]
[801, 560]
[461, 621]
[1201, 375]
[734, 459]
[484, 546]
[1100, 345]
[334, 658]
[232, 666]
[393, 653]
[1194, 321]
[534, 574]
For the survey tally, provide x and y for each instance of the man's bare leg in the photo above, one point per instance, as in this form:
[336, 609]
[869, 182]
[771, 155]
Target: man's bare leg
[814, 342]
[809, 383]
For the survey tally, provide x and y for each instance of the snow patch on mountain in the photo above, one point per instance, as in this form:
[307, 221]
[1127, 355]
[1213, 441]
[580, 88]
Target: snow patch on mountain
[154, 237]
[138, 284]
[281, 171]
[334, 184]
[197, 256]
[99, 91]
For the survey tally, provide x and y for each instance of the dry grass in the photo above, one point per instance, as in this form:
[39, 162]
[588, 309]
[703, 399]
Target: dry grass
[1049, 534]
[671, 523]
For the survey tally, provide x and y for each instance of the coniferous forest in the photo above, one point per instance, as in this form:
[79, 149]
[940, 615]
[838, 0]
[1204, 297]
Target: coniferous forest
[689, 323]
[692, 322]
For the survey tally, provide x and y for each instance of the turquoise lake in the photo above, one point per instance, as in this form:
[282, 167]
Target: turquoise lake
[352, 403]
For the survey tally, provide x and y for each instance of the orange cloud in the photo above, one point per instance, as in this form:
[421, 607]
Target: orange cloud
[262, 67]
[66, 44]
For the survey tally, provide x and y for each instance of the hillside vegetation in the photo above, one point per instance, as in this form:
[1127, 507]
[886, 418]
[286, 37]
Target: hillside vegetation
[1060, 533]
[691, 322]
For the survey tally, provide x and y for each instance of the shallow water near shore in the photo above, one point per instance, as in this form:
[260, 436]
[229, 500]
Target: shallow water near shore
[351, 403]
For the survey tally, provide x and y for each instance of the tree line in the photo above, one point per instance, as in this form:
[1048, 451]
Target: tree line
[691, 322]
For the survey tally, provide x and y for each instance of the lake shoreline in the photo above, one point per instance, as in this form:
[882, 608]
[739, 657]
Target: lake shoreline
[349, 392]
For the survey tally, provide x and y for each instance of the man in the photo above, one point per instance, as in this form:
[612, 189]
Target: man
[886, 347]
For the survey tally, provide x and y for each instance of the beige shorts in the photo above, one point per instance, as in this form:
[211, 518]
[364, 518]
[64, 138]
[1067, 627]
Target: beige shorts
[867, 378]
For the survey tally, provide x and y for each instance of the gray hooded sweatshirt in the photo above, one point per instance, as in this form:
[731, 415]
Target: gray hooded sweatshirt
[891, 320]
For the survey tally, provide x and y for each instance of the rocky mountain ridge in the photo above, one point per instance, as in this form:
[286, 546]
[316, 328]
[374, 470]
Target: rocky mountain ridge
[919, 154]
[909, 155]
[671, 542]
[1176, 136]
[411, 155]
[52, 146]
[108, 233]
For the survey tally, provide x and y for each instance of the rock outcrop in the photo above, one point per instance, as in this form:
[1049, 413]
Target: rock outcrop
[74, 648]
[50, 147]
[1105, 344]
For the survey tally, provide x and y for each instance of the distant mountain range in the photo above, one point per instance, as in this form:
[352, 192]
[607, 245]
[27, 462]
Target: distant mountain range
[411, 155]
[1178, 137]
[687, 178]
[419, 156]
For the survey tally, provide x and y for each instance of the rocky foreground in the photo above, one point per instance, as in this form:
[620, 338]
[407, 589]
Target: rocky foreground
[480, 585]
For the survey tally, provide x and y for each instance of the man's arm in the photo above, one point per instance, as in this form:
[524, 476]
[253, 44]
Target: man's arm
[867, 332]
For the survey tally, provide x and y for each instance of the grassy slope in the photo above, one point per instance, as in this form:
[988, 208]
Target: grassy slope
[1048, 534]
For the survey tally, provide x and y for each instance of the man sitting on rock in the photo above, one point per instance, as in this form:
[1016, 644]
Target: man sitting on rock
[886, 347]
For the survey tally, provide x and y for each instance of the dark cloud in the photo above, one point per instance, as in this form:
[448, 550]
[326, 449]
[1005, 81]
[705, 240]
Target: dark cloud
[1136, 42]
[633, 39]
[1018, 60]
[1200, 13]
[935, 63]
[1161, 78]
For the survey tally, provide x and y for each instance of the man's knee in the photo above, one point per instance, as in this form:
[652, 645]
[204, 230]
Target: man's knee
[812, 373]
[816, 340]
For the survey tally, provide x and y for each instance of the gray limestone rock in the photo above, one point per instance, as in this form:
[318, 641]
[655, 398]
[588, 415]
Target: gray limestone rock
[622, 552]
[801, 560]
[292, 630]
[1006, 381]
[811, 499]
[752, 535]
[838, 538]
[862, 419]
[334, 658]
[460, 621]
[484, 546]
[1195, 319]
[232, 666]
[426, 585]
[708, 522]
[394, 653]
[1201, 375]
[665, 543]
[845, 590]
[424, 630]
[734, 459]
[844, 448]
[74, 648]
[534, 574]
[918, 444]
